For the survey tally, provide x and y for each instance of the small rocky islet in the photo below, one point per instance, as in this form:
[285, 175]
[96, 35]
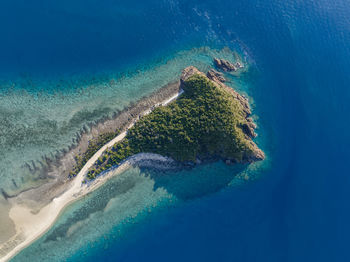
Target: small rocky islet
[208, 121]
[227, 66]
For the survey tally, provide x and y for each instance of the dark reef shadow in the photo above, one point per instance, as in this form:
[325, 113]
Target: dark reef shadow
[184, 183]
[201, 180]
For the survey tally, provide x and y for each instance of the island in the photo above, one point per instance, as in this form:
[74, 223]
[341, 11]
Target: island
[208, 121]
[195, 120]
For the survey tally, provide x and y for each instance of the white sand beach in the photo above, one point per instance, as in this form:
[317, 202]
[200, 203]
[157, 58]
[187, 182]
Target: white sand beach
[30, 226]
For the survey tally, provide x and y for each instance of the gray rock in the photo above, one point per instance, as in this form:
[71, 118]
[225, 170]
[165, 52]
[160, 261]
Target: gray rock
[216, 76]
[226, 65]
[248, 129]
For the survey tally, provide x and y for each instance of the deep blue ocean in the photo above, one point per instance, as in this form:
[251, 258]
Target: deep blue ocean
[297, 208]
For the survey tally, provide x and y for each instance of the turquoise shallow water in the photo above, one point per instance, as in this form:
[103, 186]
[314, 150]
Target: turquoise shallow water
[296, 208]
[115, 212]
[39, 120]
[118, 202]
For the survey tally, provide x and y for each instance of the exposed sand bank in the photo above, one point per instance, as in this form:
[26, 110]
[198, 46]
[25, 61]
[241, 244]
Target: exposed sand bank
[31, 223]
[7, 227]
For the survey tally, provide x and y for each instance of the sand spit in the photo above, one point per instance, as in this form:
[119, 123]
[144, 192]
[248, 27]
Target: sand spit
[55, 170]
[32, 220]
[33, 212]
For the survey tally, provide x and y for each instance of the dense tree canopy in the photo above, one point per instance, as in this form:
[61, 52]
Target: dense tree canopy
[205, 121]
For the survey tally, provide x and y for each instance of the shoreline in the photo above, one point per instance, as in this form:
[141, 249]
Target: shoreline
[55, 169]
[34, 216]
[32, 225]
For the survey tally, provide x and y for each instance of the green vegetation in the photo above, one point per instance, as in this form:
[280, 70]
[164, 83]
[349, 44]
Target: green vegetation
[205, 121]
[93, 147]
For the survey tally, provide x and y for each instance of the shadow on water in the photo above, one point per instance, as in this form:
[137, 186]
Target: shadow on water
[196, 182]
[94, 204]
[184, 185]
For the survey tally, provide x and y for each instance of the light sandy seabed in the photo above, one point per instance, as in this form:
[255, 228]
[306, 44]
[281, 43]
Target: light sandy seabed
[29, 226]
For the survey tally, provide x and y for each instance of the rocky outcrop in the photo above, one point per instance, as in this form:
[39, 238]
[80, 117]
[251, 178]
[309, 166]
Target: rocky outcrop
[191, 70]
[226, 65]
[188, 72]
[249, 127]
[216, 76]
